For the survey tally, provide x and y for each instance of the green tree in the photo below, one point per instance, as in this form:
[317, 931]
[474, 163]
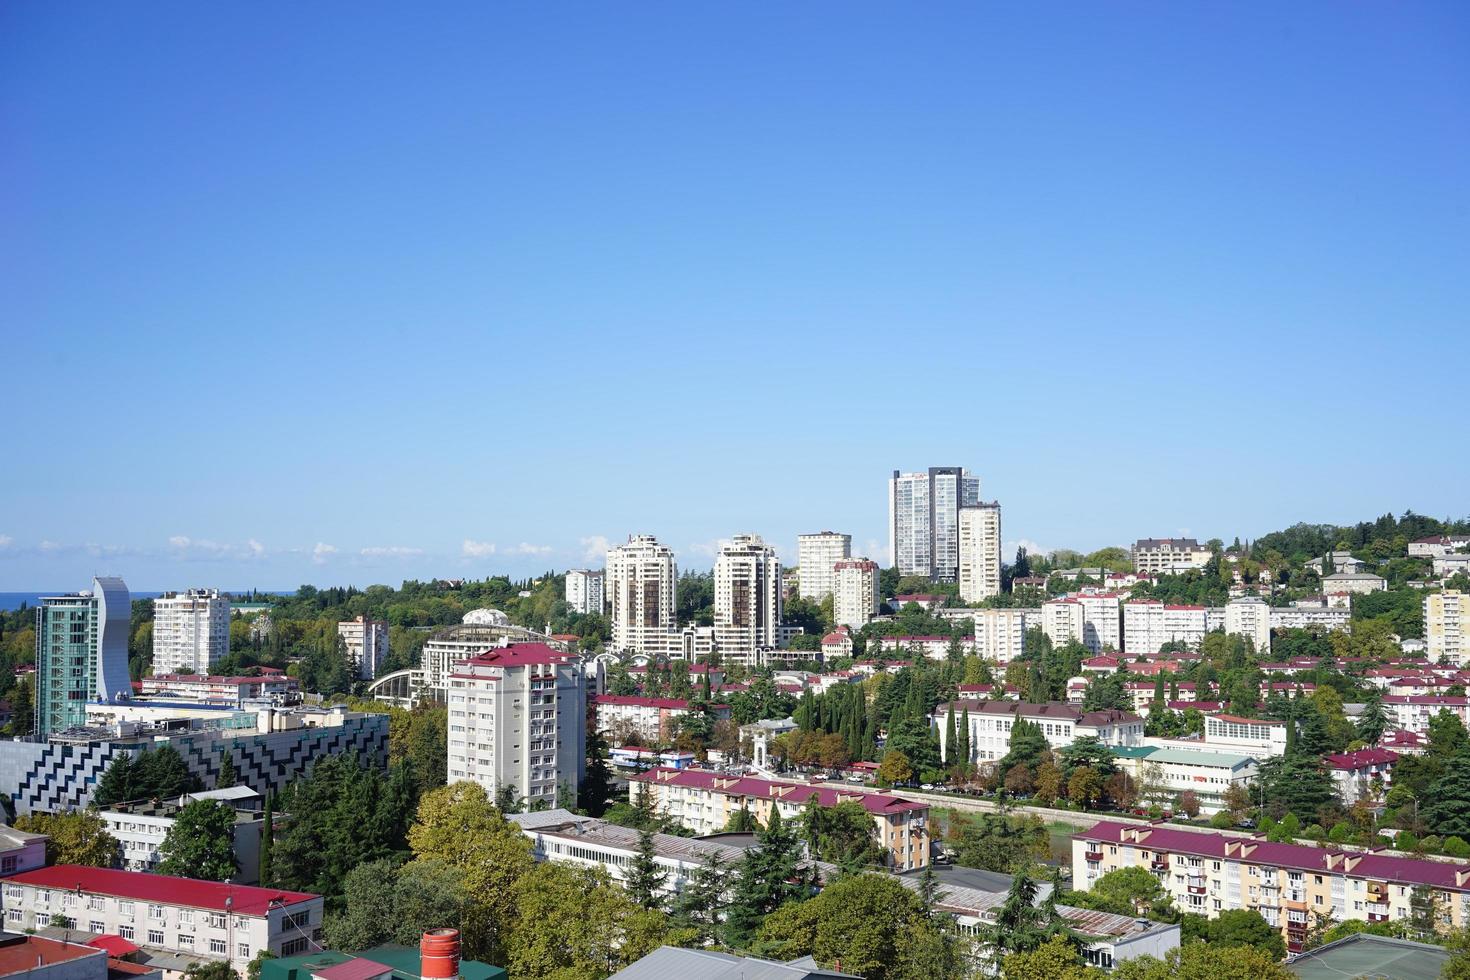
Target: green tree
[843, 834]
[1021, 922]
[118, 783]
[700, 905]
[74, 837]
[252, 969]
[210, 970]
[1373, 720]
[895, 769]
[770, 875]
[201, 842]
[856, 921]
[267, 840]
[1027, 747]
[226, 777]
[645, 875]
[1055, 959]
[1130, 891]
[1245, 927]
[596, 789]
[1204, 961]
[1447, 807]
[458, 826]
[997, 842]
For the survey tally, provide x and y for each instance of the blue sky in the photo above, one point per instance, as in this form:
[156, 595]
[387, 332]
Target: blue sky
[346, 292]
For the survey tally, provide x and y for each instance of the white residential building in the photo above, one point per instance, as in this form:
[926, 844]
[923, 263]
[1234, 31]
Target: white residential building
[517, 718]
[1061, 620]
[979, 552]
[584, 591]
[1207, 774]
[1000, 634]
[816, 558]
[1250, 617]
[203, 920]
[1446, 566]
[367, 644]
[1411, 712]
[1258, 737]
[191, 631]
[1447, 626]
[924, 518]
[141, 828]
[1150, 623]
[991, 723]
[232, 691]
[1092, 618]
[1304, 616]
[642, 583]
[20, 851]
[747, 599]
[644, 721]
[1168, 556]
[855, 592]
[1438, 544]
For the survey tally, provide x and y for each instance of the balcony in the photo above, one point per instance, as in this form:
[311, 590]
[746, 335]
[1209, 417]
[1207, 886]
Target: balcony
[1160, 862]
[1093, 857]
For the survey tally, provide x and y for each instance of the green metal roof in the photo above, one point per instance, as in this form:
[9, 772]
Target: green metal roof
[1367, 955]
[1133, 751]
[1189, 757]
[403, 960]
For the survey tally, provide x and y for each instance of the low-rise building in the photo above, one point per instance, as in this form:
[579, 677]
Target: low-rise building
[1362, 774]
[1342, 561]
[1290, 885]
[1304, 616]
[837, 643]
[1411, 712]
[705, 801]
[990, 724]
[1258, 737]
[184, 916]
[381, 963]
[1437, 544]
[1168, 556]
[1447, 565]
[141, 828]
[1360, 583]
[43, 958]
[1174, 771]
[20, 851]
[233, 691]
[644, 721]
[932, 647]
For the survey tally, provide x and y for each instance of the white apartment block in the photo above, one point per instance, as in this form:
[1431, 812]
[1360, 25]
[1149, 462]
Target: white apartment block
[517, 718]
[816, 558]
[1411, 712]
[1302, 617]
[705, 801]
[1447, 626]
[1258, 737]
[991, 723]
[191, 631]
[206, 920]
[855, 592]
[979, 552]
[1290, 885]
[923, 519]
[1093, 618]
[642, 582]
[1353, 584]
[1168, 556]
[141, 828]
[1205, 773]
[1150, 623]
[1250, 617]
[1000, 634]
[584, 591]
[747, 599]
[631, 719]
[366, 641]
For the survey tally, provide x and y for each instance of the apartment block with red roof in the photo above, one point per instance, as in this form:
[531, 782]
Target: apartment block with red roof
[1290, 885]
[1062, 724]
[704, 801]
[518, 719]
[183, 916]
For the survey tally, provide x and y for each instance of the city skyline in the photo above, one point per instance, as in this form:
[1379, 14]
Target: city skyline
[348, 296]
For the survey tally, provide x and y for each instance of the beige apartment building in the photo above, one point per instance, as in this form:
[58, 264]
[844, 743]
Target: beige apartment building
[705, 801]
[1290, 885]
[1446, 615]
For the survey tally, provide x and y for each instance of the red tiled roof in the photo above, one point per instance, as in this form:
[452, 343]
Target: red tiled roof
[1360, 758]
[1380, 867]
[762, 789]
[162, 889]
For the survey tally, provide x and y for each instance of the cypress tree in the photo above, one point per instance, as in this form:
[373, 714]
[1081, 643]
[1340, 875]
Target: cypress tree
[267, 840]
[226, 777]
[951, 738]
[964, 735]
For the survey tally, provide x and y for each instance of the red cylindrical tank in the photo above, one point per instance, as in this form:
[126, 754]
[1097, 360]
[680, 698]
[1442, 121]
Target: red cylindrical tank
[439, 954]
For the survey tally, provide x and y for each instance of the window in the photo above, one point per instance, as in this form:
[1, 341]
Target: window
[13, 914]
[186, 941]
[94, 903]
[96, 926]
[155, 937]
[155, 912]
[126, 932]
[125, 909]
[43, 919]
[218, 946]
[215, 921]
[244, 950]
[186, 917]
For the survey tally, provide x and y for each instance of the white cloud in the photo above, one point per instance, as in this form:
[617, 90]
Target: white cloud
[50, 546]
[706, 549]
[6, 541]
[1008, 548]
[594, 548]
[255, 548]
[477, 549]
[392, 551]
[179, 541]
[877, 551]
[532, 549]
[322, 552]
